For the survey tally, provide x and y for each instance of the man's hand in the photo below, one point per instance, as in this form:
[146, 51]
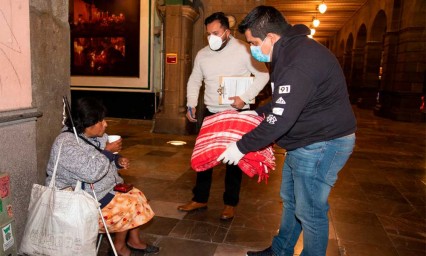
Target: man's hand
[232, 155]
[238, 102]
[248, 112]
[190, 114]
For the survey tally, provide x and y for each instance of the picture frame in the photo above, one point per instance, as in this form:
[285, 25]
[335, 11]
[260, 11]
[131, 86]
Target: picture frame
[110, 45]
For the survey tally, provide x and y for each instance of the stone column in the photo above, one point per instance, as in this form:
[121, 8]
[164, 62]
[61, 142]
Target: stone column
[178, 27]
[405, 76]
[35, 60]
[347, 64]
[356, 74]
[371, 82]
[390, 53]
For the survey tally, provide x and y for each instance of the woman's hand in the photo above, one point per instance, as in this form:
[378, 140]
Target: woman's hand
[114, 146]
[124, 162]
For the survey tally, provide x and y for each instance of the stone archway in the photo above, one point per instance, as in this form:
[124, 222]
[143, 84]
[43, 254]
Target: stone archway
[390, 53]
[357, 70]
[373, 53]
[341, 52]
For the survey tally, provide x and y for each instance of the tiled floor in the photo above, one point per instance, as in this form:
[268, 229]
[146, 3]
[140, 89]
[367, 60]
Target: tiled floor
[376, 208]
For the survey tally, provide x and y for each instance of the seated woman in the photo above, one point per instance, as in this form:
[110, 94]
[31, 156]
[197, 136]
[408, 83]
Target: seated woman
[92, 161]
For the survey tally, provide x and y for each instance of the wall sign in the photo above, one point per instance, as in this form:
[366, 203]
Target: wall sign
[171, 58]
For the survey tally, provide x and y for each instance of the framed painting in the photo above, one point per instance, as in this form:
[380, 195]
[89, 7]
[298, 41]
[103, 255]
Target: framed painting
[110, 45]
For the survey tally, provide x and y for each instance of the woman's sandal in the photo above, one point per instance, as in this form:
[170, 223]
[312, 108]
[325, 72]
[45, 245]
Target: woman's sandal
[149, 249]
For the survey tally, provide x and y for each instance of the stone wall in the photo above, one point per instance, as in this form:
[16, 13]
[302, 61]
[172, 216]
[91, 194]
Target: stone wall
[50, 54]
[18, 158]
[26, 134]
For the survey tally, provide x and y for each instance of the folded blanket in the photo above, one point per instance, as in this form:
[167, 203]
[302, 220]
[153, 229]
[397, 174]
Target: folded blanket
[226, 127]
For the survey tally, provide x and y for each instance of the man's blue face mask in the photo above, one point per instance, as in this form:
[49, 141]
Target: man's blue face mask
[257, 53]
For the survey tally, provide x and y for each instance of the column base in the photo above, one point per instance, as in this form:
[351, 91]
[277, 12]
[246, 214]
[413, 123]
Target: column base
[367, 97]
[172, 124]
[400, 107]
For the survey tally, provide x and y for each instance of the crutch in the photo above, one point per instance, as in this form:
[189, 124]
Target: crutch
[68, 109]
[106, 229]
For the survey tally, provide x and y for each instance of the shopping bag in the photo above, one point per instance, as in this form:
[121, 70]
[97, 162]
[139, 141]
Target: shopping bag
[60, 222]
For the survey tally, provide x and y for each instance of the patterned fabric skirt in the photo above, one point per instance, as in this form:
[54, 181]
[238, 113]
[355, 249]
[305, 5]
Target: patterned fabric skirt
[126, 211]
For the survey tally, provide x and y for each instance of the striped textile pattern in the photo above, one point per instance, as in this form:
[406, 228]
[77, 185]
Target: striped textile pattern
[225, 127]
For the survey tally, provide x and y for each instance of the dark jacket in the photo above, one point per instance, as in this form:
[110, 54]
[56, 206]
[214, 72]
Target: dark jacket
[310, 101]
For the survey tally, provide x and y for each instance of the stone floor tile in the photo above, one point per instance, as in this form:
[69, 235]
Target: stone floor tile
[196, 230]
[229, 250]
[258, 221]
[170, 246]
[362, 234]
[210, 215]
[159, 226]
[251, 238]
[367, 249]
[166, 209]
[357, 217]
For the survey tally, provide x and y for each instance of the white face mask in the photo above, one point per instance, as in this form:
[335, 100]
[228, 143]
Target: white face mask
[215, 42]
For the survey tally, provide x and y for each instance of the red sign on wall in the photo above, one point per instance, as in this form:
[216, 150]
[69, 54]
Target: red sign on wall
[171, 58]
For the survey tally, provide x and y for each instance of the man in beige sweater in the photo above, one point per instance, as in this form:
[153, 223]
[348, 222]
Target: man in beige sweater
[224, 56]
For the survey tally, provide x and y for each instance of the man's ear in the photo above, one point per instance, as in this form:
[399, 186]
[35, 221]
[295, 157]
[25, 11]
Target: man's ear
[274, 37]
[228, 32]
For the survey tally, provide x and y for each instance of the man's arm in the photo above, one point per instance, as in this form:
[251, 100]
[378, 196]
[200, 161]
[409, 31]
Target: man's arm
[292, 91]
[261, 78]
[194, 84]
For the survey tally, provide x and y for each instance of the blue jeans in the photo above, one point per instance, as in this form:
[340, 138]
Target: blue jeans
[308, 175]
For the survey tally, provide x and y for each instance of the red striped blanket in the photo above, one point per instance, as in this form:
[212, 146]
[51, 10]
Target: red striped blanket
[226, 127]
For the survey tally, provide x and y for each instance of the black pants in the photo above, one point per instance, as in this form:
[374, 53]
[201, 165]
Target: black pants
[231, 196]
[233, 178]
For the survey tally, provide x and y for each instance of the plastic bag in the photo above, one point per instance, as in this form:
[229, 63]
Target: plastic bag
[60, 222]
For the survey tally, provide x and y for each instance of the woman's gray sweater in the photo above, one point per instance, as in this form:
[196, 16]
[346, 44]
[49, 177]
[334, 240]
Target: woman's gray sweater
[81, 161]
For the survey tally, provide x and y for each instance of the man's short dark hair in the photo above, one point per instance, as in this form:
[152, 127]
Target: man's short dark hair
[263, 20]
[220, 16]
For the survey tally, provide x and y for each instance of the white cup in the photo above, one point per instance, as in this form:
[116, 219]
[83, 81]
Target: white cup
[112, 138]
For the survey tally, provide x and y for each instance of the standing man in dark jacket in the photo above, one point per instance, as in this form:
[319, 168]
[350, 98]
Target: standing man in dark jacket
[310, 116]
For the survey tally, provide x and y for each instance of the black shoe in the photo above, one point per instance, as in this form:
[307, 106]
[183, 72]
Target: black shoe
[267, 252]
[150, 249]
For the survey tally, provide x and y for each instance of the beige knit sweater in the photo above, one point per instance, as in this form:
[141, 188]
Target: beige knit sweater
[233, 60]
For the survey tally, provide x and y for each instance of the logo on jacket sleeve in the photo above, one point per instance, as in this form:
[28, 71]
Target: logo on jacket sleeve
[278, 111]
[280, 101]
[271, 119]
[284, 89]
